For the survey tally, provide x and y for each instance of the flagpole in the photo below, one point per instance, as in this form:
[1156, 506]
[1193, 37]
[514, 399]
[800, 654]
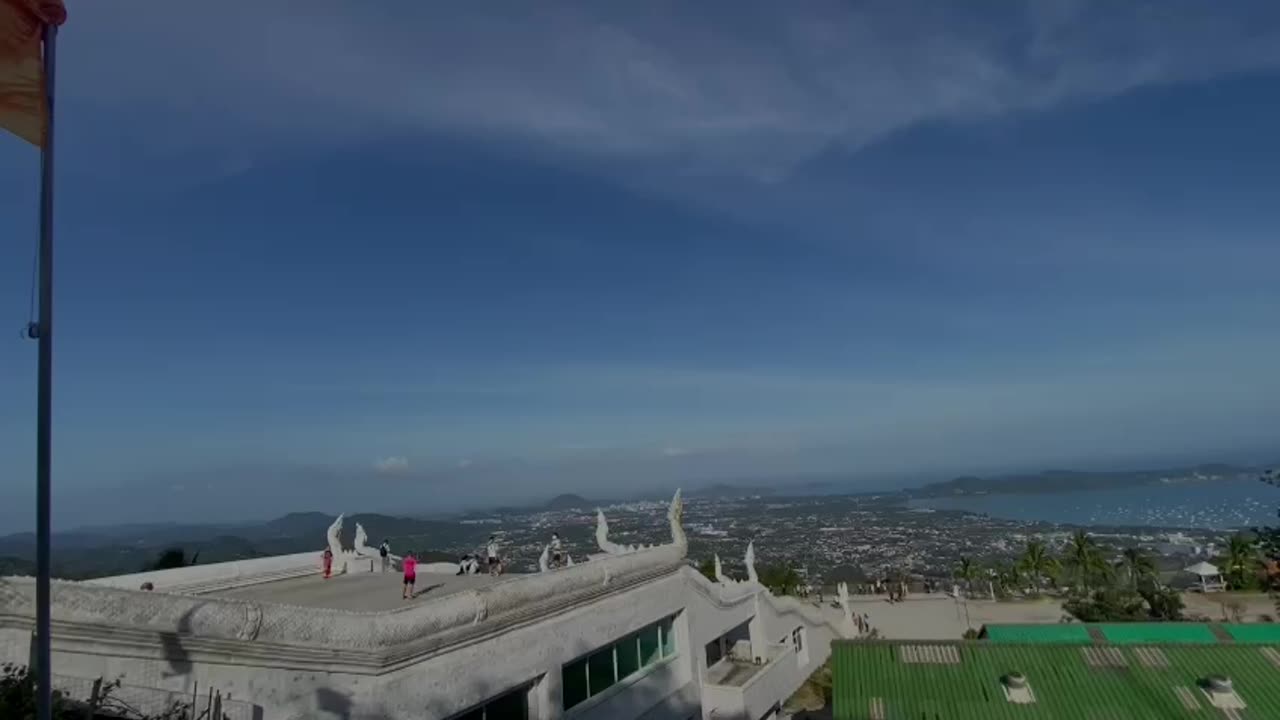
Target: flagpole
[44, 398]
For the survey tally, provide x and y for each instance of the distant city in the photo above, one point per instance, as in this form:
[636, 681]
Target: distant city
[1177, 515]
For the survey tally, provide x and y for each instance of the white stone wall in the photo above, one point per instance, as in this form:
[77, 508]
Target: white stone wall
[15, 645]
[529, 635]
[717, 609]
[436, 687]
[437, 684]
[218, 576]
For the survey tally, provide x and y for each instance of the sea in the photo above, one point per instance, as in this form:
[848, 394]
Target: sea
[1219, 505]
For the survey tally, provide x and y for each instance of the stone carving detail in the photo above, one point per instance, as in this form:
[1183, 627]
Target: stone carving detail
[360, 551]
[363, 550]
[252, 623]
[675, 516]
[602, 537]
[850, 628]
[335, 543]
[749, 560]
[294, 632]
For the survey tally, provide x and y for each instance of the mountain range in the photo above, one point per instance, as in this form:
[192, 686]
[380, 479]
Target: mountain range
[94, 552]
[1056, 481]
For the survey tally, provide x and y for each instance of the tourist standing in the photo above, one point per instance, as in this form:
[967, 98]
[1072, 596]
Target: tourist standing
[557, 556]
[385, 551]
[491, 556]
[327, 559]
[410, 564]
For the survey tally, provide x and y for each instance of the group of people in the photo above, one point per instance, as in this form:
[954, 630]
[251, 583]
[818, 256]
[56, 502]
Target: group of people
[468, 565]
[408, 565]
[384, 550]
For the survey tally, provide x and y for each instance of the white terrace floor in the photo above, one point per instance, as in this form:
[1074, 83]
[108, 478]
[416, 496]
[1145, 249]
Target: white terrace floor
[941, 617]
[366, 592]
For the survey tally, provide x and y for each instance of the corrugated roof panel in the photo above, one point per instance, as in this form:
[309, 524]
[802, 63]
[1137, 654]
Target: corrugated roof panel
[1157, 633]
[1060, 633]
[1263, 633]
[1065, 686]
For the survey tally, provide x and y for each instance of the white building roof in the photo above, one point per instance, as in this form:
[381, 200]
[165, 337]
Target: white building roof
[1203, 569]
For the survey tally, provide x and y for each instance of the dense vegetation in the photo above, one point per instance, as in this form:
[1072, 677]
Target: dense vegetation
[1269, 542]
[1098, 590]
[18, 701]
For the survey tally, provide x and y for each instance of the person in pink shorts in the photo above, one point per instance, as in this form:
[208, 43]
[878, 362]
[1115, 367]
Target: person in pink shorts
[410, 565]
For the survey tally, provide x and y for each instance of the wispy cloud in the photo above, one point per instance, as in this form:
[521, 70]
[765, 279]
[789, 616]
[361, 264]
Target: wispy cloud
[750, 90]
[391, 465]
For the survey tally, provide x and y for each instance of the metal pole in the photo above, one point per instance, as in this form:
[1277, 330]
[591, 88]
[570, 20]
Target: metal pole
[44, 398]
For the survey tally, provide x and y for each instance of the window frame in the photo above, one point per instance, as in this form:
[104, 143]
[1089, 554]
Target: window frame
[667, 637]
[483, 706]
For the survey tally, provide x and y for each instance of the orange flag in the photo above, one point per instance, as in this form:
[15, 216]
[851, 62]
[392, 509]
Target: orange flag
[23, 110]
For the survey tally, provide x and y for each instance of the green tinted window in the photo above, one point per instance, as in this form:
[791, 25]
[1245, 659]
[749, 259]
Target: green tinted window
[574, 680]
[650, 649]
[668, 637]
[628, 652]
[600, 672]
[512, 706]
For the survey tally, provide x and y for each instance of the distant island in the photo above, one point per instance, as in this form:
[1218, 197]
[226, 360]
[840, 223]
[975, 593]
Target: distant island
[568, 501]
[1057, 481]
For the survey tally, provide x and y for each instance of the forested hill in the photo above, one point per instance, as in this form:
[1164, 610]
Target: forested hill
[1053, 481]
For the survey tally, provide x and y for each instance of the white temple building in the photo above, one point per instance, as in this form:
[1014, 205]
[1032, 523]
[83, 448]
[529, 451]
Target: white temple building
[633, 632]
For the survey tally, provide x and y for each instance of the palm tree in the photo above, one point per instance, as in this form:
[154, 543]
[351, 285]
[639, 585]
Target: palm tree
[1085, 559]
[1241, 561]
[1008, 578]
[1037, 562]
[1138, 566]
[967, 571]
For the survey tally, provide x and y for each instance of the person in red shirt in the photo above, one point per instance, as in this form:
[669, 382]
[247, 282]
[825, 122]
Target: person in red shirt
[327, 557]
[410, 564]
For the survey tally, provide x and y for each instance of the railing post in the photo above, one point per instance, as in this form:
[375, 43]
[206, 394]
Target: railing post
[95, 696]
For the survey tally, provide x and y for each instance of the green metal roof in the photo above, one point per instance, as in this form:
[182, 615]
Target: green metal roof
[1265, 633]
[1148, 633]
[962, 680]
[1138, 633]
[1061, 633]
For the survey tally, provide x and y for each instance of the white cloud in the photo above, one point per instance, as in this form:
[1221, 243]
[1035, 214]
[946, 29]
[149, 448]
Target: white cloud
[393, 464]
[752, 89]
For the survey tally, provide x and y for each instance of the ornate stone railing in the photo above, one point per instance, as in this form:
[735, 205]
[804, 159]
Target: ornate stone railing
[218, 576]
[379, 637]
[721, 595]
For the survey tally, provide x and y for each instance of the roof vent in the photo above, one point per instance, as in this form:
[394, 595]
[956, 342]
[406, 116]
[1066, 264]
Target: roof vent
[1016, 689]
[1219, 683]
[1221, 693]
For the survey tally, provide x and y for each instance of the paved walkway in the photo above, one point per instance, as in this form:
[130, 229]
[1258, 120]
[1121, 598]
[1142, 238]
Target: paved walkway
[941, 617]
[369, 592]
[1231, 606]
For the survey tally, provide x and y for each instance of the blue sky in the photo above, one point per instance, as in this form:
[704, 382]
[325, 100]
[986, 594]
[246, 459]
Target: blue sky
[406, 255]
